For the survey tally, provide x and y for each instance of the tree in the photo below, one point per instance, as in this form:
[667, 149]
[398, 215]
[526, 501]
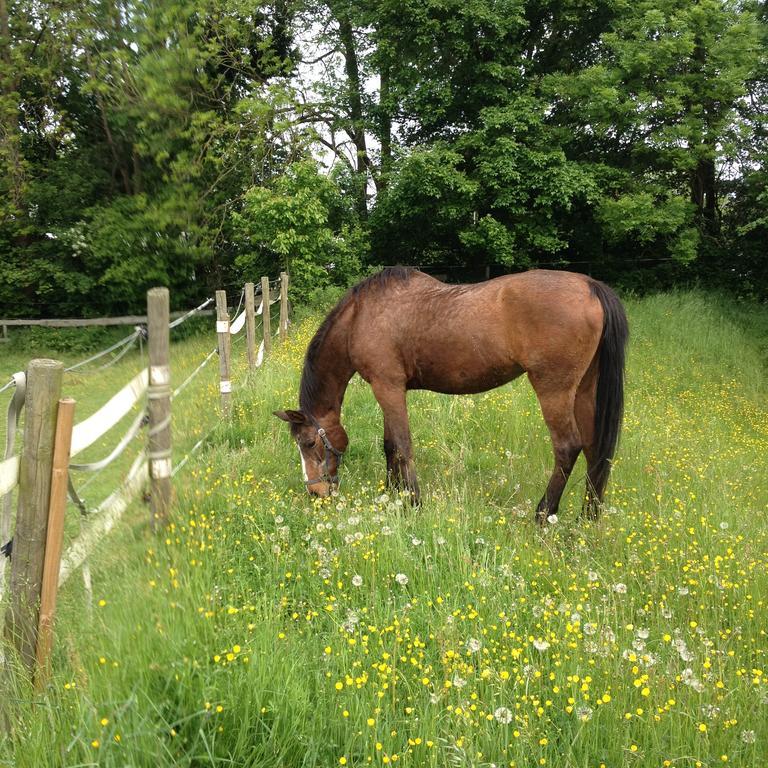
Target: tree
[302, 221]
[657, 109]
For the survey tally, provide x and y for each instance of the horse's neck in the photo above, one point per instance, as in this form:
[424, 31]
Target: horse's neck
[334, 370]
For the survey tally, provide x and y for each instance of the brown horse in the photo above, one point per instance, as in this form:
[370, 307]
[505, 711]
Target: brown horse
[401, 329]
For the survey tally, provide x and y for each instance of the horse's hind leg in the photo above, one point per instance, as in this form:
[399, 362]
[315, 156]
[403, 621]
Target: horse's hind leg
[557, 407]
[401, 470]
[585, 418]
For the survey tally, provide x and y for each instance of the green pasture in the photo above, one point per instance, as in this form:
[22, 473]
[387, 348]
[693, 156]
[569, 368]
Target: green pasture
[264, 629]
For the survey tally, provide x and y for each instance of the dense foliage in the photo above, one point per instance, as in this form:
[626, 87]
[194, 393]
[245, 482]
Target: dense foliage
[192, 142]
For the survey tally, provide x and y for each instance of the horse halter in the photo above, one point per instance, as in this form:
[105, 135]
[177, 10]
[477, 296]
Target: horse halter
[327, 448]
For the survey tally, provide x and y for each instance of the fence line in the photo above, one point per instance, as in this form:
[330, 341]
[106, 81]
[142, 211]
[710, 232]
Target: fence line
[154, 383]
[104, 518]
[86, 322]
[87, 432]
[127, 343]
[179, 320]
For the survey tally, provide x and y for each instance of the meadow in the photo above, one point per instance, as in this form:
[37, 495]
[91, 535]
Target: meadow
[267, 629]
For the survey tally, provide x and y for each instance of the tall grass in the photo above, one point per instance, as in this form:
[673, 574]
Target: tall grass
[266, 629]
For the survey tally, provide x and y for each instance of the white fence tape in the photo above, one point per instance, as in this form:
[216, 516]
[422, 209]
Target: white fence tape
[91, 429]
[9, 475]
[104, 518]
[238, 324]
[179, 320]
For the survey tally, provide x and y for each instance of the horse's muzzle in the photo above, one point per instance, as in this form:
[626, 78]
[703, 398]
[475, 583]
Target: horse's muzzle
[321, 487]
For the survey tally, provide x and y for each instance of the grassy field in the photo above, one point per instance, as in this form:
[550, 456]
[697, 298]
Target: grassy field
[265, 629]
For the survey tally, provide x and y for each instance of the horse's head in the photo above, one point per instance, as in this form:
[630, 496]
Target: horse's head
[320, 450]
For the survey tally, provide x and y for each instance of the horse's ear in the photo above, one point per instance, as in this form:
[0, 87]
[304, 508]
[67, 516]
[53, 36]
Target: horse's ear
[292, 417]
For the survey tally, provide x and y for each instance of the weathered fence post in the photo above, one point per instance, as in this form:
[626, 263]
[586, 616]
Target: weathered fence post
[159, 405]
[283, 306]
[265, 317]
[43, 389]
[250, 325]
[53, 539]
[222, 330]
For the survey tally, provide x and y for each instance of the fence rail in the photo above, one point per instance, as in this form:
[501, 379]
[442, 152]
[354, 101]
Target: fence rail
[85, 322]
[33, 472]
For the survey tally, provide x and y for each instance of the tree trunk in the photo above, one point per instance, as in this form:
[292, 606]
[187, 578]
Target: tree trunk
[385, 128]
[703, 183]
[356, 127]
[704, 192]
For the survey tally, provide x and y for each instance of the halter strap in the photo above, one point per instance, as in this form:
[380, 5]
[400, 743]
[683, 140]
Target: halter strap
[327, 447]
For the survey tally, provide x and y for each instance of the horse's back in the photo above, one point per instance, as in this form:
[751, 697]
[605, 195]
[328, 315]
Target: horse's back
[471, 338]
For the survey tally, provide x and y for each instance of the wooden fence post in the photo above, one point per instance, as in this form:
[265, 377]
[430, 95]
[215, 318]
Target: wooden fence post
[265, 316]
[283, 306]
[43, 389]
[53, 539]
[250, 325]
[222, 330]
[159, 405]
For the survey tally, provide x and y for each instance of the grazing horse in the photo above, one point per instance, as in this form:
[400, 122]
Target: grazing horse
[402, 329]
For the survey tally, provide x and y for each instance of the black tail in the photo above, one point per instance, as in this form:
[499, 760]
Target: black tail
[609, 405]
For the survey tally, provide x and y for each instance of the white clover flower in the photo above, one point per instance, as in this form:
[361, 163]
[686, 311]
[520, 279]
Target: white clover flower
[592, 575]
[710, 711]
[474, 645]
[503, 715]
[552, 519]
[620, 589]
[401, 579]
[540, 645]
[589, 628]
[748, 737]
[357, 581]
[458, 681]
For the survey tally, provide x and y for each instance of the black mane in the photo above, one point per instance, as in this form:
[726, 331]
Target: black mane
[310, 382]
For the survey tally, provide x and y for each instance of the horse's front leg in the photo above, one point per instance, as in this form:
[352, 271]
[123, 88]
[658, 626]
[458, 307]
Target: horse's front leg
[401, 470]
